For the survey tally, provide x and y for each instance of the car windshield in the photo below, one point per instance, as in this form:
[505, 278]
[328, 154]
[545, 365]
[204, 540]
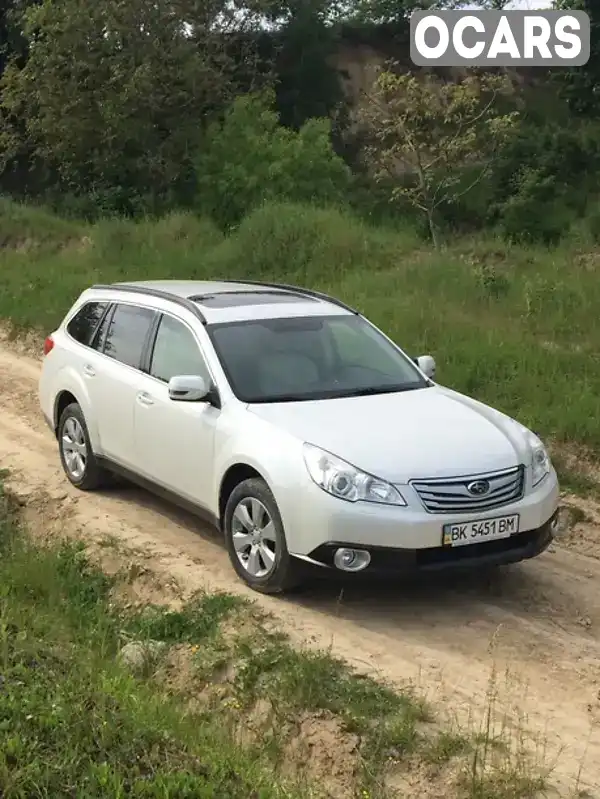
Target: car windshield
[310, 358]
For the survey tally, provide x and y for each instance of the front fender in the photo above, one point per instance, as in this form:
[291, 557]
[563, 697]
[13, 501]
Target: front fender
[275, 455]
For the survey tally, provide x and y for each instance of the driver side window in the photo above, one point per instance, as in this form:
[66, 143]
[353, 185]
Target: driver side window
[176, 352]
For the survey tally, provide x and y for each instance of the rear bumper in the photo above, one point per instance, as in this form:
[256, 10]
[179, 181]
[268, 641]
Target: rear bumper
[390, 561]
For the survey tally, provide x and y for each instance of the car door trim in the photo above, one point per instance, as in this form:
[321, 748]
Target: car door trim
[159, 490]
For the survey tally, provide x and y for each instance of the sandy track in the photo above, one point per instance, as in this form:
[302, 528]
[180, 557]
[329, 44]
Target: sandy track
[536, 625]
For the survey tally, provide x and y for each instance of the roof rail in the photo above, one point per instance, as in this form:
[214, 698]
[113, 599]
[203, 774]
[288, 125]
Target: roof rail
[184, 302]
[318, 295]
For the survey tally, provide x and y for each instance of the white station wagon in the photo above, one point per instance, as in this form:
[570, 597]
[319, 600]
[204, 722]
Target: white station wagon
[296, 427]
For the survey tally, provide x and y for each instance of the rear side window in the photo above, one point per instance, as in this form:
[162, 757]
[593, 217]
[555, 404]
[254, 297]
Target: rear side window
[127, 333]
[99, 337]
[85, 322]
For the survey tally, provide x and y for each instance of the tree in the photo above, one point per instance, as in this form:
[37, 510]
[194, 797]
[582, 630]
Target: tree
[308, 86]
[12, 44]
[250, 158]
[113, 95]
[580, 86]
[435, 140]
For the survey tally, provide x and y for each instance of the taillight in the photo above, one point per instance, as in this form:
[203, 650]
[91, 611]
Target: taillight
[48, 344]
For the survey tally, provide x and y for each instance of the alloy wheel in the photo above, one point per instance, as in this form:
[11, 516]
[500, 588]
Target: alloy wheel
[254, 537]
[74, 448]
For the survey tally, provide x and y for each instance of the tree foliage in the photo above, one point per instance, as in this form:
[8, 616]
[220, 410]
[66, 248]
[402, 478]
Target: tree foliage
[249, 158]
[581, 85]
[113, 95]
[426, 134]
[12, 43]
[105, 106]
[308, 85]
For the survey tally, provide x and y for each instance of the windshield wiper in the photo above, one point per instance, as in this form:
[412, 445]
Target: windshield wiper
[285, 398]
[366, 392]
[332, 394]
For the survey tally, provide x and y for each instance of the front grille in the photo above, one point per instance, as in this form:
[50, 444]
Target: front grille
[453, 496]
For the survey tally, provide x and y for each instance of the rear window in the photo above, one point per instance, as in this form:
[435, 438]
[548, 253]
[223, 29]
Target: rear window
[85, 322]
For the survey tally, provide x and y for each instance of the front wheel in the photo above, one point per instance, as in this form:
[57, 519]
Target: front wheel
[256, 539]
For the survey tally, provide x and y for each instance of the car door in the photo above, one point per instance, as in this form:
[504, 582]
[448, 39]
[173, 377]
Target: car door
[174, 441]
[113, 379]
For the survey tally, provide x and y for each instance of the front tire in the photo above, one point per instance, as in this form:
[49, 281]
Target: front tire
[76, 454]
[256, 541]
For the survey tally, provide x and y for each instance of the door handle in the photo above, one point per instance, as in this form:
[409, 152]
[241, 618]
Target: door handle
[144, 398]
[87, 370]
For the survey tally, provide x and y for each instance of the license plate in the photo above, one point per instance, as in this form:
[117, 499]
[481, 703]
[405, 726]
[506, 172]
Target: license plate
[458, 535]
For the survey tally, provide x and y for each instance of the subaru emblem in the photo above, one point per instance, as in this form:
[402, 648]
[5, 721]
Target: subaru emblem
[478, 488]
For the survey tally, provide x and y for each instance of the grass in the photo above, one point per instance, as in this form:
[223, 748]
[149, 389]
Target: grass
[71, 721]
[77, 719]
[514, 326]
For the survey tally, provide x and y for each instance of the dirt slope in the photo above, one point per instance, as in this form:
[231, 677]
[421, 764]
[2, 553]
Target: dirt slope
[536, 627]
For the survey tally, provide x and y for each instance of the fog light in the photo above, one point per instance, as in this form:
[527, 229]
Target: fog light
[351, 560]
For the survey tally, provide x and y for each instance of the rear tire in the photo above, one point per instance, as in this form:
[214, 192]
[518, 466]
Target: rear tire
[256, 540]
[76, 454]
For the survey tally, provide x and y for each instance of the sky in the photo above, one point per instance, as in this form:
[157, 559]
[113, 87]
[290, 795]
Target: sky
[525, 5]
[533, 5]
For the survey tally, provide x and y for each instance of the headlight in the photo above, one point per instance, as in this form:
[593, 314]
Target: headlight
[540, 460]
[342, 480]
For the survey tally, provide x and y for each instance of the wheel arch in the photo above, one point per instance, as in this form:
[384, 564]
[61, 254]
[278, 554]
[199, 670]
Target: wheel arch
[234, 475]
[68, 394]
[63, 399]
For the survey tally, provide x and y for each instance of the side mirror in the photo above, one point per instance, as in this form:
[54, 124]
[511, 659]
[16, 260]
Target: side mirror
[427, 365]
[188, 388]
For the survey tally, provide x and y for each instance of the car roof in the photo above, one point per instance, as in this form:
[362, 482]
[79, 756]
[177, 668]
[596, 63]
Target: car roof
[232, 301]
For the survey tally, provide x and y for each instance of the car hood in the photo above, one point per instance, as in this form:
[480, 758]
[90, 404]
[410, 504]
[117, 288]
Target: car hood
[427, 433]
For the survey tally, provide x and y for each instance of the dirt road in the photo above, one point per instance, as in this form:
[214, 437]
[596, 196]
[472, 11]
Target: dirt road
[536, 626]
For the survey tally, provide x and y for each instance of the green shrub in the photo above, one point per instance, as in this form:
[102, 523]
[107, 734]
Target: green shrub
[538, 210]
[544, 178]
[295, 242]
[592, 222]
[118, 239]
[112, 250]
[27, 227]
[249, 159]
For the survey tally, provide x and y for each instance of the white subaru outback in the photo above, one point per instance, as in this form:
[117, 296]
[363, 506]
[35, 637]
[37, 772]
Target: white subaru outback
[295, 426]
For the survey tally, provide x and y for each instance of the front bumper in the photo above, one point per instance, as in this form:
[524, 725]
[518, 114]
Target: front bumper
[389, 561]
[314, 520]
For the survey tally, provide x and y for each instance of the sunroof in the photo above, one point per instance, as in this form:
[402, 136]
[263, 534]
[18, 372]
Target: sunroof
[231, 299]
